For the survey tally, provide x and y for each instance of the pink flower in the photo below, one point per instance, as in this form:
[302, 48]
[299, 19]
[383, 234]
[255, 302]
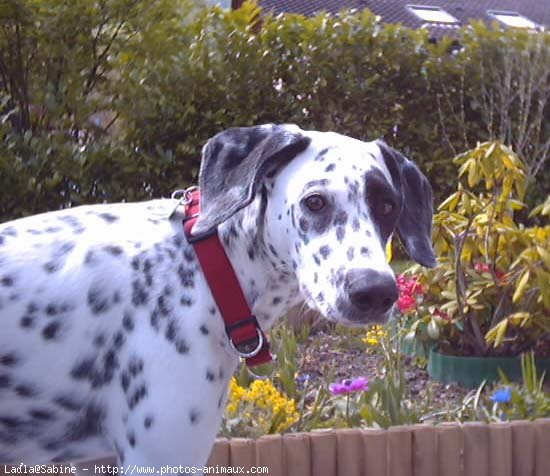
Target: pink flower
[406, 303]
[346, 386]
[482, 267]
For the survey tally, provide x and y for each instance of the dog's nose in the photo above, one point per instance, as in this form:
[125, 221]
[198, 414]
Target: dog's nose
[372, 290]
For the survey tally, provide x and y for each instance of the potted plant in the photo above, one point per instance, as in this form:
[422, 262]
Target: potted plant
[488, 301]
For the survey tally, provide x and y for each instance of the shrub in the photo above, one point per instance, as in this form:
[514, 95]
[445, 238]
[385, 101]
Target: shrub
[171, 76]
[490, 295]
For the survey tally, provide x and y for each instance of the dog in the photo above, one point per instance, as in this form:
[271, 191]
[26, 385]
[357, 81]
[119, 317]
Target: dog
[110, 339]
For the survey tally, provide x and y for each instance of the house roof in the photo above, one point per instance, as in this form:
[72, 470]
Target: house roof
[396, 11]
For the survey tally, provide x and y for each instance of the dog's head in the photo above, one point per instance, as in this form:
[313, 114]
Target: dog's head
[329, 204]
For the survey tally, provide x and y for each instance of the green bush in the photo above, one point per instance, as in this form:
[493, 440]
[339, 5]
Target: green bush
[173, 75]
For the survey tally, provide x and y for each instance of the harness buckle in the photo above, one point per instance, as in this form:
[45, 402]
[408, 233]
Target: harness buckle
[246, 350]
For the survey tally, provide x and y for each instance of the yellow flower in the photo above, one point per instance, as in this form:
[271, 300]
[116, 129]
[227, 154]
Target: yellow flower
[261, 404]
[374, 335]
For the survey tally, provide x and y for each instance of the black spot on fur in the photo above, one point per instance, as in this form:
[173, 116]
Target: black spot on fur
[315, 277]
[5, 381]
[171, 331]
[124, 381]
[364, 251]
[131, 439]
[118, 340]
[138, 395]
[89, 423]
[204, 330]
[139, 294]
[355, 224]
[128, 321]
[90, 258]
[10, 422]
[194, 416]
[10, 231]
[52, 267]
[99, 340]
[135, 366]
[316, 259]
[324, 251]
[99, 299]
[154, 319]
[341, 218]
[350, 253]
[51, 331]
[83, 369]
[25, 391]
[108, 217]
[113, 250]
[210, 376]
[182, 347]
[68, 403]
[27, 322]
[303, 224]
[187, 277]
[276, 301]
[321, 156]
[41, 414]
[186, 301]
[147, 422]
[9, 360]
[7, 281]
[340, 233]
[330, 167]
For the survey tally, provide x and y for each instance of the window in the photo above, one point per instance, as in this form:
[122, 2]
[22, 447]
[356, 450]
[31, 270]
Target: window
[513, 19]
[432, 14]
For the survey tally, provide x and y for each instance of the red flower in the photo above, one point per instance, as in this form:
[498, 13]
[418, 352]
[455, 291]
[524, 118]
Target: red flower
[485, 268]
[406, 303]
[442, 314]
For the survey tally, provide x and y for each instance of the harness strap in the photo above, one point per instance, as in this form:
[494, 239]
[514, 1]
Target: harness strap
[242, 328]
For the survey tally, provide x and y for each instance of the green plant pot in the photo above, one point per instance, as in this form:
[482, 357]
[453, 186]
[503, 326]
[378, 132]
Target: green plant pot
[470, 372]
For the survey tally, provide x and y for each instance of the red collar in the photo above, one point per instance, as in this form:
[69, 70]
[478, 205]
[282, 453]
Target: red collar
[244, 333]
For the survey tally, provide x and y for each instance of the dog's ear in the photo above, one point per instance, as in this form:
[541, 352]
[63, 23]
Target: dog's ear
[414, 226]
[234, 164]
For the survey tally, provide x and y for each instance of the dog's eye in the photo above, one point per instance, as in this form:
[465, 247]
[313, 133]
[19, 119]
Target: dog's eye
[315, 202]
[387, 207]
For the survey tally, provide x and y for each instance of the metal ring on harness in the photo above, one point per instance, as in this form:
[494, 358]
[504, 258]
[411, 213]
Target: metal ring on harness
[247, 355]
[268, 366]
[184, 195]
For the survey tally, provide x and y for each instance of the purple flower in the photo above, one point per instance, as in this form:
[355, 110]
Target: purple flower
[503, 395]
[303, 378]
[346, 386]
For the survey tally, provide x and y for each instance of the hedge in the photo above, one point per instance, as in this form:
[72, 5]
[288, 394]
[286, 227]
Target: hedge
[173, 75]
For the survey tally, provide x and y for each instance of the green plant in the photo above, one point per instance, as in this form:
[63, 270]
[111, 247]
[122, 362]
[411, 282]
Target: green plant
[388, 401]
[490, 295]
[167, 76]
[506, 401]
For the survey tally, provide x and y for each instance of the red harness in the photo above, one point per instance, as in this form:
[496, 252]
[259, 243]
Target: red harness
[244, 333]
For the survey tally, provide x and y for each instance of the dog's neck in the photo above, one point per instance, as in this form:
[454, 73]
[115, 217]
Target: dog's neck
[269, 284]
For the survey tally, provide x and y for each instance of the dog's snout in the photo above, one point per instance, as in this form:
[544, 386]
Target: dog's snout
[372, 290]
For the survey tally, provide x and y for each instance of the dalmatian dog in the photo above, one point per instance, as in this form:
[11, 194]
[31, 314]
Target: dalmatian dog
[110, 340]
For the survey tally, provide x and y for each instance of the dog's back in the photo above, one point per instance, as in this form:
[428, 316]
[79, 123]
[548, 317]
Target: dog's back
[84, 294]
